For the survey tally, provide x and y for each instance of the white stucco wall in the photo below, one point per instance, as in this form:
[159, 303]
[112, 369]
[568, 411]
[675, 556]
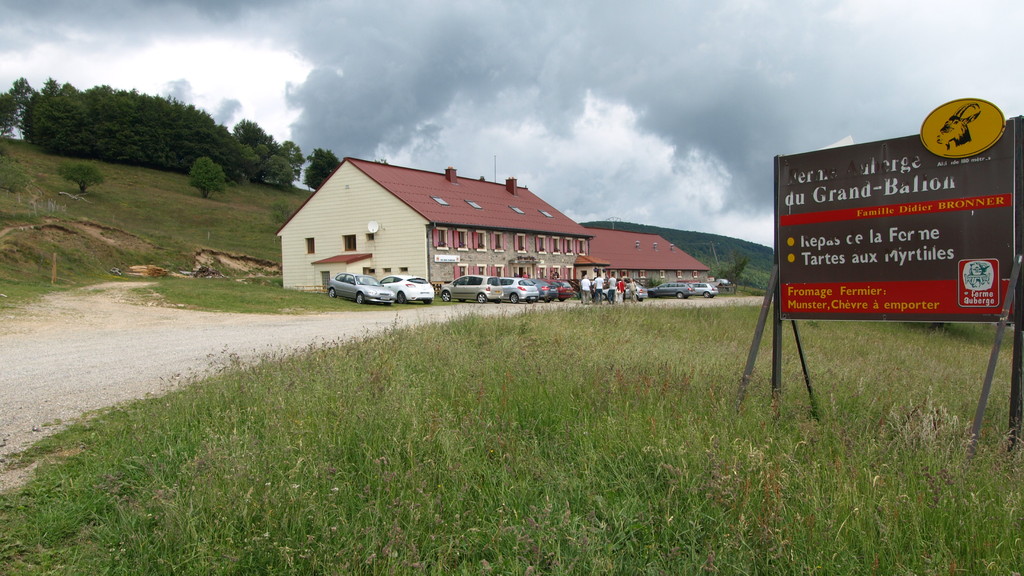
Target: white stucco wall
[343, 206]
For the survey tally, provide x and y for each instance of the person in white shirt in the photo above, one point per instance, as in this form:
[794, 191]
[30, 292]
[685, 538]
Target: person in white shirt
[585, 289]
[599, 289]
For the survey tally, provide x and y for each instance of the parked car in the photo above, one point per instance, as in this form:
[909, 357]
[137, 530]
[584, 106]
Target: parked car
[564, 289]
[472, 287]
[671, 290]
[407, 288]
[517, 290]
[641, 292]
[548, 291]
[704, 289]
[360, 288]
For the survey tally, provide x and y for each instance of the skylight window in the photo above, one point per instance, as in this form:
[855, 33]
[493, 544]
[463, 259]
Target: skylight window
[546, 213]
[474, 204]
[516, 210]
[440, 200]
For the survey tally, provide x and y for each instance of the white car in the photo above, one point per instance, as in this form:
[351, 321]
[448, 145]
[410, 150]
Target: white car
[409, 288]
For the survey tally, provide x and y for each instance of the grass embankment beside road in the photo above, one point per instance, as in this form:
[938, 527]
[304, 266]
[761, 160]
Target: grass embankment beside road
[586, 440]
[54, 238]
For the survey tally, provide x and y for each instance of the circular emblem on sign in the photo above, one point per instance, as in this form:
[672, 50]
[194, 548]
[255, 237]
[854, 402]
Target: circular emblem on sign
[962, 128]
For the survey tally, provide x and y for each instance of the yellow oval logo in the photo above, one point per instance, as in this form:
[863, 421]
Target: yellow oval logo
[962, 128]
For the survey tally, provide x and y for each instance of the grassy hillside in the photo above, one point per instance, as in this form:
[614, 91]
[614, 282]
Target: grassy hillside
[713, 250]
[137, 216]
[142, 216]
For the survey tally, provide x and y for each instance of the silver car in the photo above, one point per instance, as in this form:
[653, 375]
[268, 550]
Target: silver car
[704, 289]
[641, 292]
[517, 290]
[361, 288]
[671, 289]
[408, 288]
[472, 287]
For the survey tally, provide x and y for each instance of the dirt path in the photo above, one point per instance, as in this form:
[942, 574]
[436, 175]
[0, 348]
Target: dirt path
[96, 347]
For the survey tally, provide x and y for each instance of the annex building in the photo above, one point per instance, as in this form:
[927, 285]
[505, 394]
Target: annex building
[645, 256]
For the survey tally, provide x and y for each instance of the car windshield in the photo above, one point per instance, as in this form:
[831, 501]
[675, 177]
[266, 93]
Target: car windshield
[367, 281]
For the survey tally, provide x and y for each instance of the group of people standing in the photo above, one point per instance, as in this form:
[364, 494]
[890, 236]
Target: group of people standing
[607, 289]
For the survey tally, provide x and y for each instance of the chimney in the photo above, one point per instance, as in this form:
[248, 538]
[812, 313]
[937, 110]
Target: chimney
[450, 175]
[510, 185]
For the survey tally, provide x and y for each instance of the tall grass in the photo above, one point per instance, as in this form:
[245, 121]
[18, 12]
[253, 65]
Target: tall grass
[584, 441]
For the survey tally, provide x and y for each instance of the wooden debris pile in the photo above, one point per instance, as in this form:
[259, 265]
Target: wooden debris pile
[146, 270]
[206, 272]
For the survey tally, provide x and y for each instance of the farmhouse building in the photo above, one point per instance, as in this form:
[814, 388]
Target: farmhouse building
[378, 219]
[646, 256]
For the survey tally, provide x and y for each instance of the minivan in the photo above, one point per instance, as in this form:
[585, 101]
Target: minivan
[472, 287]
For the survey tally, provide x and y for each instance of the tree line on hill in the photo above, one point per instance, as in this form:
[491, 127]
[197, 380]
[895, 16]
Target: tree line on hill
[127, 127]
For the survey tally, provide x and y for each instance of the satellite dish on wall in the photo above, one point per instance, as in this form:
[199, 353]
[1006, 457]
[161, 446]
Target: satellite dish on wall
[372, 226]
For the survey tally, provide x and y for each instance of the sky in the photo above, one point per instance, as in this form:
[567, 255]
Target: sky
[666, 113]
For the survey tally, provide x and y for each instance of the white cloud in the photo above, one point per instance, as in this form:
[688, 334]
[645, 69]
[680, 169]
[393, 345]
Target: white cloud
[605, 165]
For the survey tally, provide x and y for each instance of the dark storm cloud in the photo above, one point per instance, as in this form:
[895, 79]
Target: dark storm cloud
[180, 90]
[381, 73]
[717, 89]
[227, 112]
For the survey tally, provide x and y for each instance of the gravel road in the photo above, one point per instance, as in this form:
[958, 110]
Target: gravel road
[95, 347]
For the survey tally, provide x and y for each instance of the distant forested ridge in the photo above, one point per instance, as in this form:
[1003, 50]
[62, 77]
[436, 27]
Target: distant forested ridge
[720, 253]
[126, 127]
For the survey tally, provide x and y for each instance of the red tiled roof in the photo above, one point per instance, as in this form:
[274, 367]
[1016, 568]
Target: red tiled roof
[636, 251]
[585, 260]
[418, 188]
[344, 259]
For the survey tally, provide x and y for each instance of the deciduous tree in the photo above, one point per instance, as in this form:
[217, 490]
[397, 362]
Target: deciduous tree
[322, 164]
[207, 176]
[84, 174]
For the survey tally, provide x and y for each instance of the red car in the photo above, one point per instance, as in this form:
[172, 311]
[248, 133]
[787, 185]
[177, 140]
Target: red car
[565, 290]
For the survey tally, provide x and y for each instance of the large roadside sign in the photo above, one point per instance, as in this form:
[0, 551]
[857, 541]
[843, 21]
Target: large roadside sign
[892, 230]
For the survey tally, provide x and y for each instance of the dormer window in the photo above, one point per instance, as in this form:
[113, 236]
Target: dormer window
[516, 210]
[474, 204]
[655, 246]
[546, 213]
[637, 244]
[440, 200]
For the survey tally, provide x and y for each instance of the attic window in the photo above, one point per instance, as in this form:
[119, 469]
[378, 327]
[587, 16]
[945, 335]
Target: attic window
[655, 246]
[637, 244]
[546, 213]
[440, 200]
[474, 204]
[516, 210]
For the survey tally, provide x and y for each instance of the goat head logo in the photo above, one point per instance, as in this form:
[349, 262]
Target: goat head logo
[957, 131]
[962, 128]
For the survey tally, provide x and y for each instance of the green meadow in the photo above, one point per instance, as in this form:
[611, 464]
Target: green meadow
[574, 440]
